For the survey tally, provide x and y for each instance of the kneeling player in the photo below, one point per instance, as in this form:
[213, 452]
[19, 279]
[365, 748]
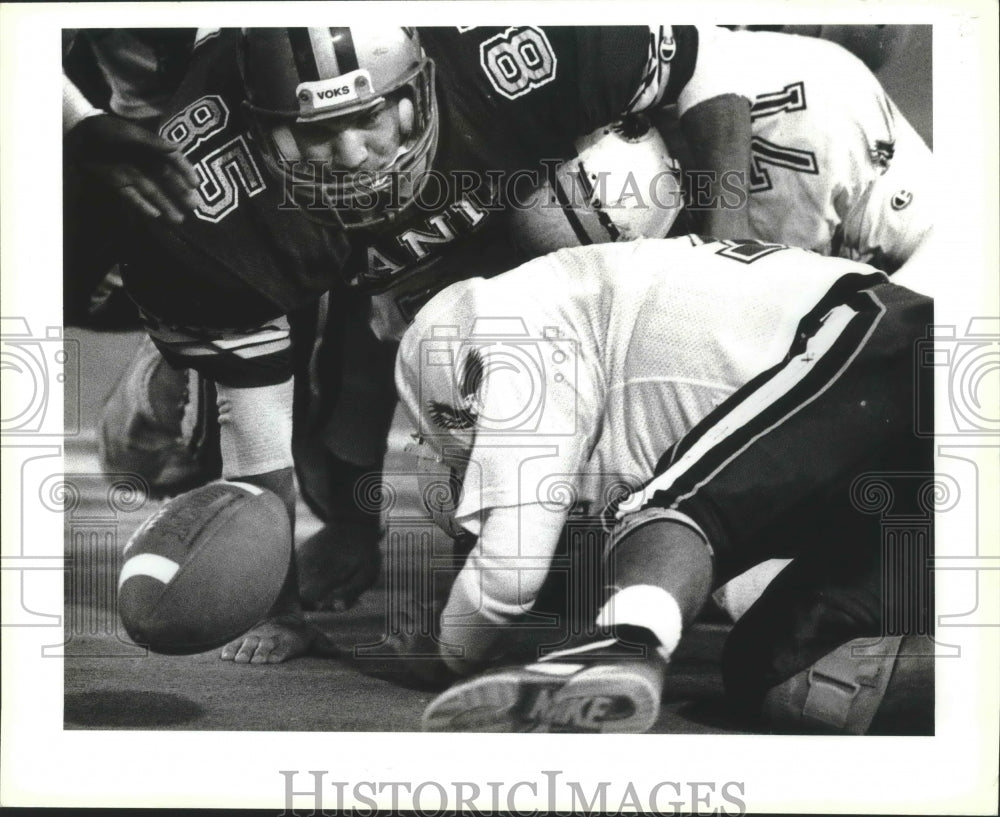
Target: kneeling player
[744, 391]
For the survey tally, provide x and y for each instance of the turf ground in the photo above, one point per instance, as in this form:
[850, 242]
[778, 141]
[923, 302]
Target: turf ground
[112, 684]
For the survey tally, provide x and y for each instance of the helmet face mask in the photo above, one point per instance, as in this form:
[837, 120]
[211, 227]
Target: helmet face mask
[299, 81]
[622, 185]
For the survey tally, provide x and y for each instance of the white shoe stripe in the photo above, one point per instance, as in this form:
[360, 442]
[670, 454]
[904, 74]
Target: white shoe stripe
[555, 669]
[608, 642]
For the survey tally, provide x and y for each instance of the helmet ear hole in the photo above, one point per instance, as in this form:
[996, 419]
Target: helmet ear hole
[407, 116]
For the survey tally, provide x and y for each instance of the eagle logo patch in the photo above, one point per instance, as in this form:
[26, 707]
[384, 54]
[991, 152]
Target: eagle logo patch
[463, 416]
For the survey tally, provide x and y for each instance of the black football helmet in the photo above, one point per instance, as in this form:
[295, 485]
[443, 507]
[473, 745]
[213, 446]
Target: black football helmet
[305, 75]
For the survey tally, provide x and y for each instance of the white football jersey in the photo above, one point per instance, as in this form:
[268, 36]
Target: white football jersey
[567, 379]
[578, 370]
[835, 166]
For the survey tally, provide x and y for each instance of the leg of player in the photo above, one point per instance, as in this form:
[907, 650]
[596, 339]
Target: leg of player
[661, 574]
[833, 644]
[661, 568]
[814, 654]
[285, 633]
[255, 430]
[341, 560]
[159, 423]
[339, 445]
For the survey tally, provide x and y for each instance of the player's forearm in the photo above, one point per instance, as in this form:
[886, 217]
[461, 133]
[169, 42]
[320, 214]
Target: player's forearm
[76, 107]
[718, 132]
[499, 581]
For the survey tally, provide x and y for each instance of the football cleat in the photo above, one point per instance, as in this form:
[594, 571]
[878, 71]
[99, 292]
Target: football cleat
[161, 424]
[578, 690]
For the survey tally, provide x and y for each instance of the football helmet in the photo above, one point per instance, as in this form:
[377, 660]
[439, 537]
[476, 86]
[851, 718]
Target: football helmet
[440, 382]
[298, 76]
[623, 184]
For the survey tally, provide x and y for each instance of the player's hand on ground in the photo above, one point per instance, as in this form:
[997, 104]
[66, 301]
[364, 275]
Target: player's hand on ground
[412, 655]
[274, 640]
[415, 663]
[337, 564]
[150, 174]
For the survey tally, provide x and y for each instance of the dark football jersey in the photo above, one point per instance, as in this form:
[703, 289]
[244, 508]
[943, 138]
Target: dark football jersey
[512, 102]
[509, 100]
[245, 256]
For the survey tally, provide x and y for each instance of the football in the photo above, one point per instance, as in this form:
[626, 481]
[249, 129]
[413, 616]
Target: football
[204, 568]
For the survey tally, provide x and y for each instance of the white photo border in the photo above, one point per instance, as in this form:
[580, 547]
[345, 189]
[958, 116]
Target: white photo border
[953, 772]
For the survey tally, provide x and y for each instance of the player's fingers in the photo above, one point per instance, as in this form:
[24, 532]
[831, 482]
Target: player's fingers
[179, 163]
[134, 140]
[178, 187]
[138, 202]
[154, 194]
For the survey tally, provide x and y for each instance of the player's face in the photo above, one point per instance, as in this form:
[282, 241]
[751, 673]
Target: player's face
[369, 141]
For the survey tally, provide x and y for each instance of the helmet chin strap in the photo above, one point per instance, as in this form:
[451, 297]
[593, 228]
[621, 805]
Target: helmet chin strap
[402, 150]
[285, 142]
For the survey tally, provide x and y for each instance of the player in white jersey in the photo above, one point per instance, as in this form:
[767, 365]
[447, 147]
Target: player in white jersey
[835, 166]
[757, 380]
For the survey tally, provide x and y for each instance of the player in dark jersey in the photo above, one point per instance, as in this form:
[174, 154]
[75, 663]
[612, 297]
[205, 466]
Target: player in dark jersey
[322, 200]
